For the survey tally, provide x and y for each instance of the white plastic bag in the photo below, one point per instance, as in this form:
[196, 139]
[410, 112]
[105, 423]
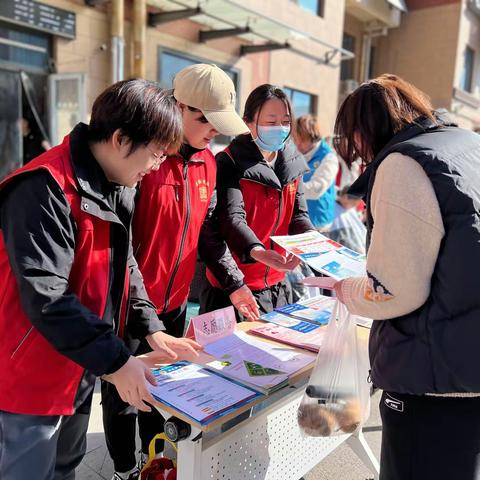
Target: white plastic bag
[337, 398]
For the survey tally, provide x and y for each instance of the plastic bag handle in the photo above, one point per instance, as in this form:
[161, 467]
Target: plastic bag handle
[340, 310]
[334, 314]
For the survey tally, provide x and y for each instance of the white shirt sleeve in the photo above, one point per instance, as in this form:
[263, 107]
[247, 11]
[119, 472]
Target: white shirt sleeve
[405, 242]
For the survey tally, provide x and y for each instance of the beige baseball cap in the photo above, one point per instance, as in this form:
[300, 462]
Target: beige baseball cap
[210, 90]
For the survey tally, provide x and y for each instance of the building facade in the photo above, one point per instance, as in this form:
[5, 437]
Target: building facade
[435, 44]
[56, 56]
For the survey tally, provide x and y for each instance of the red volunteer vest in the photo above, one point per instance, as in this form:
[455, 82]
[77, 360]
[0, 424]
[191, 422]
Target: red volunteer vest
[268, 212]
[36, 379]
[169, 214]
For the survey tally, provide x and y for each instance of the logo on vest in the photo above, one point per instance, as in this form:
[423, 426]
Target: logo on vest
[393, 403]
[292, 188]
[202, 186]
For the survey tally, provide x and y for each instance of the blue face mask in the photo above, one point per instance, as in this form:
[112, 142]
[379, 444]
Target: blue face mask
[271, 139]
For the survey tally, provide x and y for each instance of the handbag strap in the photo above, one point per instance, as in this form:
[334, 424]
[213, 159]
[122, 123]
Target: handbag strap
[151, 446]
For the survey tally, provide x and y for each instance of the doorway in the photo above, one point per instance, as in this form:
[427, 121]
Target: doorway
[11, 148]
[23, 115]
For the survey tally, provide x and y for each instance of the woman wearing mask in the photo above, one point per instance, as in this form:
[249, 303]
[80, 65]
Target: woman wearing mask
[259, 188]
[423, 206]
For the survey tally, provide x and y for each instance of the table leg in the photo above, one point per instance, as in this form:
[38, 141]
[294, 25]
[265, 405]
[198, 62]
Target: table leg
[189, 459]
[361, 448]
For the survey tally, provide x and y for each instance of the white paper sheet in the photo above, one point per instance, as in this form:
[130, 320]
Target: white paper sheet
[324, 255]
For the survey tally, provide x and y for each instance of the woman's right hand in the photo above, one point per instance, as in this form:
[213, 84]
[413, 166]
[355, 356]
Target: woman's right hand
[244, 301]
[131, 383]
[275, 260]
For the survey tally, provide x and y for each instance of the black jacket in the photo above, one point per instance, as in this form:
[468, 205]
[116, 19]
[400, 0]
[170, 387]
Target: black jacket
[39, 230]
[249, 164]
[213, 250]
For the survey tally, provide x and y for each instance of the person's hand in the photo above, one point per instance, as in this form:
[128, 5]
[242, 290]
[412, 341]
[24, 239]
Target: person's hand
[173, 347]
[338, 291]
[273, 259]
[348, 202]
[292, 261]
[244, 301]
[325, 283]
[131, 383]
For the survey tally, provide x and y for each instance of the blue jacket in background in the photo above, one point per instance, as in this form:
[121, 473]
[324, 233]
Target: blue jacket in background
[321, 210]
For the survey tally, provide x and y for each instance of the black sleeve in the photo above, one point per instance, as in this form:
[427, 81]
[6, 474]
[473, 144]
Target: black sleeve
[239, 236]
[300, 222]
[39, 235]
[214, 252]
[142, 316]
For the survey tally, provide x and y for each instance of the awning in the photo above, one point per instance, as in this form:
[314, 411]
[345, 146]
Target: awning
[226, 18]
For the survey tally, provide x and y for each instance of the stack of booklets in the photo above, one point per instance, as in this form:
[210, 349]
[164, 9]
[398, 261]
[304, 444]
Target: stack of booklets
[308, 337]
[299, 324]
[316, 310]
[262, 366]
[201, 395]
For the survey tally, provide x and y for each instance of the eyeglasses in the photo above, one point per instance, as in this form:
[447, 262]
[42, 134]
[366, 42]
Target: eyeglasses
[159, 157]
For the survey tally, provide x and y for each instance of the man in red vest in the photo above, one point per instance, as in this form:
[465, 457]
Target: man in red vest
[174, 212]
[68, 280]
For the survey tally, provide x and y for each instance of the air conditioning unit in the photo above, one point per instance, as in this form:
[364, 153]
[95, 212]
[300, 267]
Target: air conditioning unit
[348, 86]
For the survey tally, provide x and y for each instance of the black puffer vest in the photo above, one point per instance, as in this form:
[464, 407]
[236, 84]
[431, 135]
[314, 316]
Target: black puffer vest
[436, 349]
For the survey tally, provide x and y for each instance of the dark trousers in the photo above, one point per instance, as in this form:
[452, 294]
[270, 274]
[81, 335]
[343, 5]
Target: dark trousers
[430, 438]
[268, 299]
[41, 447]
[120, 418]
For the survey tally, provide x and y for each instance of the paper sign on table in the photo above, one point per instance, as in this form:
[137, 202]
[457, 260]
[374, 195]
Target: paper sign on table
[212, 326]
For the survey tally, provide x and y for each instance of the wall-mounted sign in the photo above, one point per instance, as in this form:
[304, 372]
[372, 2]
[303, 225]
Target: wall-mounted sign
[39, 16]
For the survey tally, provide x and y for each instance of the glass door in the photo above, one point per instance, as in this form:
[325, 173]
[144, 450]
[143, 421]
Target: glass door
[67, 104]
[11, 154]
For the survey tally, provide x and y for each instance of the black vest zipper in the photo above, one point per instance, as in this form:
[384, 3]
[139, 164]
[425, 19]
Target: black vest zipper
[117, 303]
